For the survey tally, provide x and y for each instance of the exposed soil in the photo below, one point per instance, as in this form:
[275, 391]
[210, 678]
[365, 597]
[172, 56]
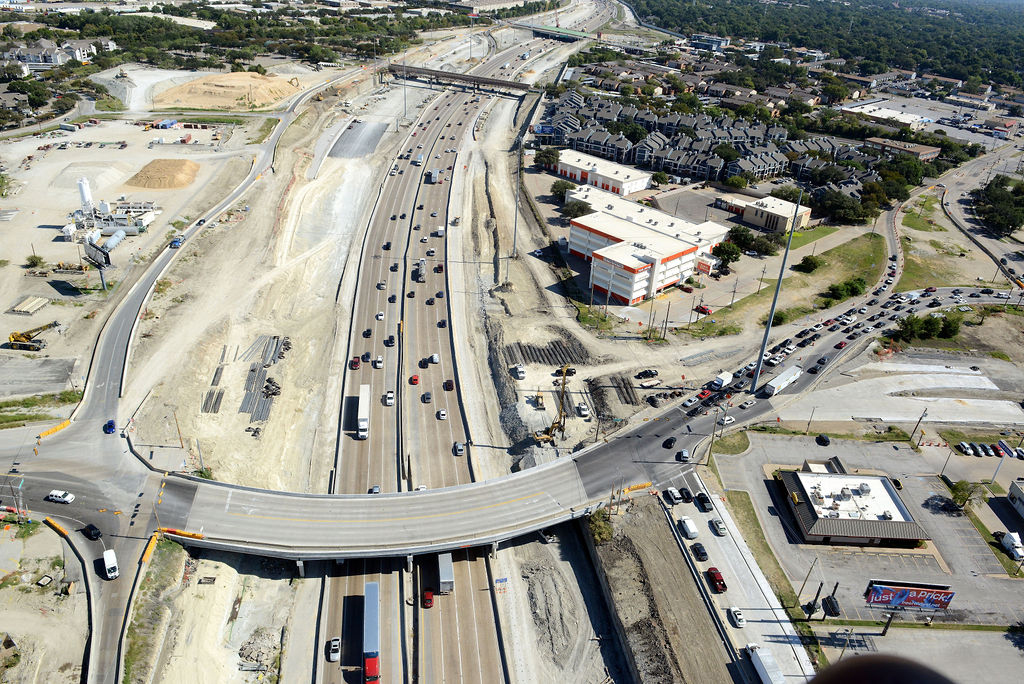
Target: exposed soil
[165, 173]
[670, 634]
[238, 90]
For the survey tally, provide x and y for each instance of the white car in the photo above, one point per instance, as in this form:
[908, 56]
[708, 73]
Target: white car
[748, 403]
[718, 526]
[378, 362]
[389, 398]
[442, 415]
[726, 420]
[379, 316]
[59, 496]
[737, 617]
[583, 410]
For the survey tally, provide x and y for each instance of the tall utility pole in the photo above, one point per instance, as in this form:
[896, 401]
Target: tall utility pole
[775, 298]
[923, 414]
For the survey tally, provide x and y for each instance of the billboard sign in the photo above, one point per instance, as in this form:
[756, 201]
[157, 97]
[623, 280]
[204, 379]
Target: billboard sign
[898, 596]
[98, 255]
[543, 129]
[1006, 449]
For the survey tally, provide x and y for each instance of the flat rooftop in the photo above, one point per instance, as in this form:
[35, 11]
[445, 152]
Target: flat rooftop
[600, 166]
[853, 497]
[635, 216]
[878, 110]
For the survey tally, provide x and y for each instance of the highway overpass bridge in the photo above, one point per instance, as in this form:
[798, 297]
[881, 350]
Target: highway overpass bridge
[316, 527]
[435, 76]
[569, 35]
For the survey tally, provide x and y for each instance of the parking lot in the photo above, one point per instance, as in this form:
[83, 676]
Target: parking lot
[957, 555]
[937, 110]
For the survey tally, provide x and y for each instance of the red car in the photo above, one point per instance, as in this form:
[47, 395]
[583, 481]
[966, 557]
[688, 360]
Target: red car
[414, 380]
[930, 289]
[354, 363]
[716, 580]
[449, 385]
[704, 394]
[703, 310]
[428, 599]
[840, 345]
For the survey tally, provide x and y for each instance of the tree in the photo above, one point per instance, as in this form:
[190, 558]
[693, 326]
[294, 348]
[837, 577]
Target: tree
[35, 261]
[790, 193]
[1016, 110]
[547, 157]
[909, 328]
[809, 264]
[575, 209]
[962, 491]
[727, 253]
[930, 327]
[726, 152]
[560, 187]
[738, 182]
[951, 325]
[659, 177]
[740, 236]
[764, 245]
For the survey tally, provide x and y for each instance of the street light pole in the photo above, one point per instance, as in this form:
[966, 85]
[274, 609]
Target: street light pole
[923, 414]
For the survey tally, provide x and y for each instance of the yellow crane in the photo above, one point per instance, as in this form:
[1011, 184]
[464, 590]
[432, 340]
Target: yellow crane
[548, 434]
[27, 340]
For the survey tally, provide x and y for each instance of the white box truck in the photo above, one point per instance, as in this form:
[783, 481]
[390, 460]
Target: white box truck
[363, 421]
[764, 662]
[721, 380]
[782, 380]
[110, 564]
[445, 574]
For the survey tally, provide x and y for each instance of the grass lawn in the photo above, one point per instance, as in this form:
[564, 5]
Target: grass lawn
[806, 237]
[109, 103]
[924, 224]
[735, 443]
[728, 320]
[956, 436]
[264, 132]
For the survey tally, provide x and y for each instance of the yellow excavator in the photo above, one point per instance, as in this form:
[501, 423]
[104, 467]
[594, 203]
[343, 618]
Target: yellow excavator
[27, 341]
[558, 424]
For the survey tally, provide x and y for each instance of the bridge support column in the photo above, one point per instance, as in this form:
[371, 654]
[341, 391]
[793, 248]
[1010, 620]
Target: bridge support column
[408, 564]
[302, 568]
[494, 549]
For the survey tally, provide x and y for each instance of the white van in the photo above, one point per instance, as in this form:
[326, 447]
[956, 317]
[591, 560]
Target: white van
[110, 564]
[689, 529]
[434, 358]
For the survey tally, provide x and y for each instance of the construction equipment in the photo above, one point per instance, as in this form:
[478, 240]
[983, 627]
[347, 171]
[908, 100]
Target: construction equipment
[548, 434]
[122, 74]
[294, 81]
[538, 401]
[27, 341]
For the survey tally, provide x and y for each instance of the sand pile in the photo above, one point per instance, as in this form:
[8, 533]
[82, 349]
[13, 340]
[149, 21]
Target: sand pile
[239, 90]
[165, 173]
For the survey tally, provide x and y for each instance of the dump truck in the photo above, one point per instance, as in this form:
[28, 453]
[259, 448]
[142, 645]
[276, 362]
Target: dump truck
[445, 574]
[28, 340]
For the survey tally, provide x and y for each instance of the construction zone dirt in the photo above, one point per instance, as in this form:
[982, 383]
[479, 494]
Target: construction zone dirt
[657, 601]
[165, 174]
[239, 90]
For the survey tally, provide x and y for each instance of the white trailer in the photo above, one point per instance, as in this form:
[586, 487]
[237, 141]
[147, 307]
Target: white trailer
[445, 574]
[782, 380]
[363, 422]
[764, 662]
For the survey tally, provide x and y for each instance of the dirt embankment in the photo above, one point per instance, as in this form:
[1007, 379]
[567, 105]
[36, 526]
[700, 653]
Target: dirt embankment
[239, 90]
[657, 602]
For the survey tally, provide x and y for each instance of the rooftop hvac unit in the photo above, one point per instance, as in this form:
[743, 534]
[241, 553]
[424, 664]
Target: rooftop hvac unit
[845, 494]
[865, 488]
[886, 515]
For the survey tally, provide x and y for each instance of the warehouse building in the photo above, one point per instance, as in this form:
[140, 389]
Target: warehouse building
[770, 213]
[636, 251]
[893, 147]
[585, 169]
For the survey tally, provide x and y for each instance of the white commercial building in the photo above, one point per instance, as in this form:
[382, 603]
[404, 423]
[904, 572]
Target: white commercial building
[770, 213]
[584, 169]
[636, 251]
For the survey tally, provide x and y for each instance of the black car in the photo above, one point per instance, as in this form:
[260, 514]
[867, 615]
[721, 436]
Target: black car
[390, 342]
[669, 443]
[813, 370]
[387, 245]
[91, 532]
[367, 332]
[699, 552]
[644, 374]
[694, 411]
[685, 493]
[703, 501]
[988, 290]
[823, 439]
[443, 323]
